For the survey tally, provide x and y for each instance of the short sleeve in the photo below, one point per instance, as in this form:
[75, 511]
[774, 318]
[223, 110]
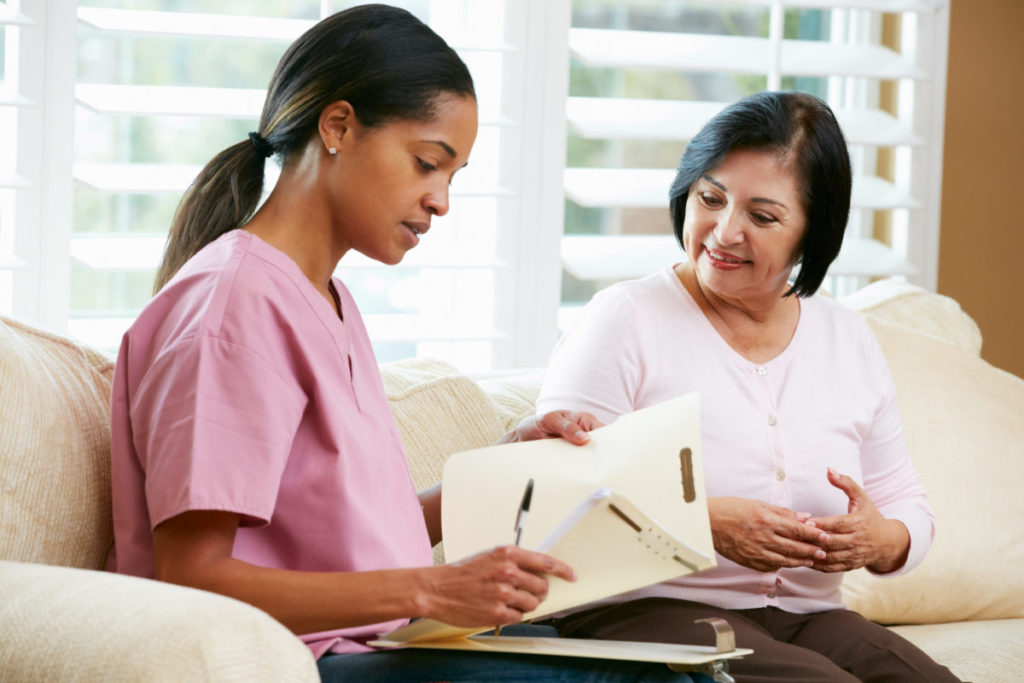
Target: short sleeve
[890, 478]
[596, 364]
[213, 426]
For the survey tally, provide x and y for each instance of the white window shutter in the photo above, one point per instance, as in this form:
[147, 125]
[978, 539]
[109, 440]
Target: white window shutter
[35, 209]
[460, 295]
[853, 61]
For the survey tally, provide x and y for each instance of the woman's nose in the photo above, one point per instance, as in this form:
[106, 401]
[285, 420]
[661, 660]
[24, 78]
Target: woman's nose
[729, 229]
[436, 202]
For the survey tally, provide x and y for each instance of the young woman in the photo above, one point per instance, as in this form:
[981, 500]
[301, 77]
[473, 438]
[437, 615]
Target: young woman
[254, 452]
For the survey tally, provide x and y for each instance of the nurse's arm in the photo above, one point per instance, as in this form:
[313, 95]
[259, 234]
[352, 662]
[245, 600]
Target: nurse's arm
[494, 587]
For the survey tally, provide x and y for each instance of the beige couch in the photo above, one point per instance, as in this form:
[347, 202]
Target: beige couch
[61, 618]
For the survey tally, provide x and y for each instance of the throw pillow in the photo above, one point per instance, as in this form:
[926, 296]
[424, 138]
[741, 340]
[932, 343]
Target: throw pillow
[964, 421]
[54, 449]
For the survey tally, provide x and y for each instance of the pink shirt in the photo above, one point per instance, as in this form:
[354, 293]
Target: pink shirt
[238, 388]
[768, 430]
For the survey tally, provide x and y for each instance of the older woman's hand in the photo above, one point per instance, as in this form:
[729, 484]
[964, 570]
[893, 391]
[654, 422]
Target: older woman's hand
[571, 426]
[762, 537]
[862, 537]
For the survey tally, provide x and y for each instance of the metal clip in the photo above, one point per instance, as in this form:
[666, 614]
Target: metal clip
[717, 670]
[725, 641]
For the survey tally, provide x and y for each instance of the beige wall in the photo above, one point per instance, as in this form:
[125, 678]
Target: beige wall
[981, 252]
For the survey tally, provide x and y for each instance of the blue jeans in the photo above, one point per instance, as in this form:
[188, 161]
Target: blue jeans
[397, 666]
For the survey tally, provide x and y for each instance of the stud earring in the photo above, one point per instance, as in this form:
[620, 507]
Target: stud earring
[332, 150]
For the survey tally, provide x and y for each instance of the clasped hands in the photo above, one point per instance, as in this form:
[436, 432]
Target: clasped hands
[767, 537]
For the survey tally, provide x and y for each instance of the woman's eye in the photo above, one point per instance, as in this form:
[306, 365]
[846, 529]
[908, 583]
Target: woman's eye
[425, 166]
[763, 218]
[710, 199]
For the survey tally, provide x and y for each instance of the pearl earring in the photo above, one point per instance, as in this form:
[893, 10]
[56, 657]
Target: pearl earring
[332, 150]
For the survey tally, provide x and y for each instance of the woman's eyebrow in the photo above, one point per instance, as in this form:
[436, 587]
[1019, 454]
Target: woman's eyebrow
[768, 201]
[449, 150]
[723, 188]
[714, 182]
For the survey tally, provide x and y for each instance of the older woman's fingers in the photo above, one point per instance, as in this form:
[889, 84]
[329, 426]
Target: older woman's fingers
[571, 426]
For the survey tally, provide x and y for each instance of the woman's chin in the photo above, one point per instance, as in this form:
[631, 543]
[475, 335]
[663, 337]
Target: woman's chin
[390, 258]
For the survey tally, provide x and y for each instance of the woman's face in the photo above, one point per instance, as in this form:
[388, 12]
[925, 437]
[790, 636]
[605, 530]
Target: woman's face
[744, 224]
[387, 183]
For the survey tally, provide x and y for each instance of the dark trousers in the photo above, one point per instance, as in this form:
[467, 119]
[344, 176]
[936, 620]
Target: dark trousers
[826, 647]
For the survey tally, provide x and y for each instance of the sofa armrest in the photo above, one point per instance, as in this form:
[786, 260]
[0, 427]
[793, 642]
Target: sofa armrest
[61, 623]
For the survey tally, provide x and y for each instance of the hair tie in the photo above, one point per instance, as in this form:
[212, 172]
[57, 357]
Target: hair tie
[260, 144]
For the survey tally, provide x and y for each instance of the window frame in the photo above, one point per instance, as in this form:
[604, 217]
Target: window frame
[528, 313]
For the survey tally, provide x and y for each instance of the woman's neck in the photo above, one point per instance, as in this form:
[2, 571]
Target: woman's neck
[758, 328]
[294, 221]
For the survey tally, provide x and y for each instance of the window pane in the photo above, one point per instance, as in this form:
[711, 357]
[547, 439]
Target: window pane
[292, 9]
[448, 288]
[672, 17]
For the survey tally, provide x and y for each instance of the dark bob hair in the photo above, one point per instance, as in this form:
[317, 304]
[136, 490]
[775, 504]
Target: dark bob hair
[800, 128]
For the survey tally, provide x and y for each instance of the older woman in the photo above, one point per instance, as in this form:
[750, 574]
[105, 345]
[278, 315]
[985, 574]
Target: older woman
[807, 470]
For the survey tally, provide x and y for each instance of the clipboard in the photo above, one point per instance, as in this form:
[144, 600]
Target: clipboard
[701, 658]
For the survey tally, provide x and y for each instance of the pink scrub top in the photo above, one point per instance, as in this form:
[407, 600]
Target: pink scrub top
[240, 389]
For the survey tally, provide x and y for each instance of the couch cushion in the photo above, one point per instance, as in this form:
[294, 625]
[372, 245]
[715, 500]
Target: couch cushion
[439, 411]
[514, 395]
[964, 421]
[898, 302]
[54, 449]
[977, 651]
[64, 624]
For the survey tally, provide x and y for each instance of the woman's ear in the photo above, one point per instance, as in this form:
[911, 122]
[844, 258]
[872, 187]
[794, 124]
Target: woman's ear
[337, 121]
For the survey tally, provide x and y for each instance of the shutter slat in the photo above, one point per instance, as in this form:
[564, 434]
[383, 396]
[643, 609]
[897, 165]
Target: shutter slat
[175, 178]
[648, 188]
[610, 118]
[170, 100]
[11, 17]
[104, 331]
[165, 100]
[189, 24]
[696, 52]
[143, 252]
[13, 181]
[11, 98]
[878, 5]
[12, 262]
[621, 257]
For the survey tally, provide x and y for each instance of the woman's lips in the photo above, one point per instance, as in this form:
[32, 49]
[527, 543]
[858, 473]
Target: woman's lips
[416, 228]
[723, 260]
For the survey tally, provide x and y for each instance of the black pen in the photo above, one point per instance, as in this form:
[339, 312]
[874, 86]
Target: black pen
[524, 509]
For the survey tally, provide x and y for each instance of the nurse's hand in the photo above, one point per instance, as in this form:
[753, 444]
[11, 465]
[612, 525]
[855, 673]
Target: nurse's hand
[565, 424]
[496, 587]
[862, 537]
[760, 536]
